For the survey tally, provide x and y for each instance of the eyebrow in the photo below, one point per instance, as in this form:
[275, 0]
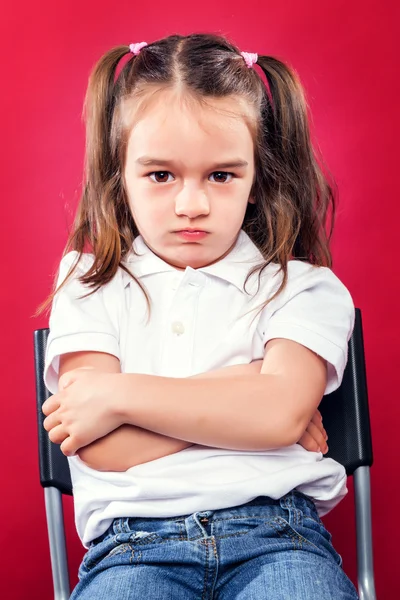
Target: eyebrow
[149, 161]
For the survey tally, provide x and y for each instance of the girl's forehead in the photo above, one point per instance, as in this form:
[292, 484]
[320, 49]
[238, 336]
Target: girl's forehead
[161, 102]
[219, 124]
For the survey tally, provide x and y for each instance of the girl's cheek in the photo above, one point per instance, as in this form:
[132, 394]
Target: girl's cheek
[157, 216]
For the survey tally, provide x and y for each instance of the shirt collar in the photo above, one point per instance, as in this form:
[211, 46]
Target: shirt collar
[234, 268]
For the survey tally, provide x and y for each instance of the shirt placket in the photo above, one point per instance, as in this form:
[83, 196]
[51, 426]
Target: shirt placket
[180, 325]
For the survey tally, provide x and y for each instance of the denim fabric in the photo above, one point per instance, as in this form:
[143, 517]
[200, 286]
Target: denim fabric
[263, 550]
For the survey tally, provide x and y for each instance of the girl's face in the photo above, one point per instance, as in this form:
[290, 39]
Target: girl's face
[188, 176]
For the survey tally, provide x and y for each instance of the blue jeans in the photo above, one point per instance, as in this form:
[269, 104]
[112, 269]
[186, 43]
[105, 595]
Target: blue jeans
[263, 550]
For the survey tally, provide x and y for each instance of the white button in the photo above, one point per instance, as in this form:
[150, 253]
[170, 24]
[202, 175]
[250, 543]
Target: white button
[177, 327]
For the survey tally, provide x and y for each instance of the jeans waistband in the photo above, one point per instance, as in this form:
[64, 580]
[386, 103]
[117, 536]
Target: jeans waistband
[181, 526]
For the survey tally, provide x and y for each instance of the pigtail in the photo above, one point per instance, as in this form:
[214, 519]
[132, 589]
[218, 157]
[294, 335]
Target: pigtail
[103, 223]
[96, 224]
[301, 193]
[293, 196]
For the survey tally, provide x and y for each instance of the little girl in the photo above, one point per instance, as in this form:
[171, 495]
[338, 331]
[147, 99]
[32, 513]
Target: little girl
[195, 327]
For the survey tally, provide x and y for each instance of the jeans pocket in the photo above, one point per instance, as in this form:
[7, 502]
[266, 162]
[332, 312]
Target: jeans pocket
[285, 529]
[309, 510]
[318, 526]
[94, 559]
[307, 533]
[102, 551]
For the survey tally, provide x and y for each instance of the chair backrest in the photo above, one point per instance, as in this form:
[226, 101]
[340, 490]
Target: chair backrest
[345, 414]
[53, 465]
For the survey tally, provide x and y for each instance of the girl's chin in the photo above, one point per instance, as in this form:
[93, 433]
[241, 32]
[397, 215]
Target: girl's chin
[192, 258]
[185, 255]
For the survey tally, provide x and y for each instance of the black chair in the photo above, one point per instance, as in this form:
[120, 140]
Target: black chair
[54, 477]
[346, 418]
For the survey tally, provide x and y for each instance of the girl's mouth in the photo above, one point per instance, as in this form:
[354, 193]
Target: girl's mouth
[192, 235]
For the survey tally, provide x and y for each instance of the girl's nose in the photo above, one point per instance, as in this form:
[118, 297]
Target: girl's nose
[192, 203]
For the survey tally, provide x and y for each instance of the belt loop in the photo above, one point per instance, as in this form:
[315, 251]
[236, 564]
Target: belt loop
[117, 526]
[125, 525]
[121, 525]
[295, 515]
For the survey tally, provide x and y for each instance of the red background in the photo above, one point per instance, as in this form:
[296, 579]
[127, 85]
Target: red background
[347, 56]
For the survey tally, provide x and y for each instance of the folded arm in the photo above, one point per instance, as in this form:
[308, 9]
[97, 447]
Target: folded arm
[238, 411]
[242, 412]
[130, 445]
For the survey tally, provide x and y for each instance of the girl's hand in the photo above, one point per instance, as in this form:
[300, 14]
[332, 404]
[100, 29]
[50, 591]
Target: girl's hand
[314, 438]
[82, 410]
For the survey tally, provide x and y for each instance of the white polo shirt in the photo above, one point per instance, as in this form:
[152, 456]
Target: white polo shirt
[201, 320]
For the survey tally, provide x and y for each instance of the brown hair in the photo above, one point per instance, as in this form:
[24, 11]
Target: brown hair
[292, 194]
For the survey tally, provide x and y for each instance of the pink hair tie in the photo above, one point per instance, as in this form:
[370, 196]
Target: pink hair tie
[136, 48]
[250, 58]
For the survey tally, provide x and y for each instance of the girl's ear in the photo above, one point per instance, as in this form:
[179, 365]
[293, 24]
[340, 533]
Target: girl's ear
[252, 200]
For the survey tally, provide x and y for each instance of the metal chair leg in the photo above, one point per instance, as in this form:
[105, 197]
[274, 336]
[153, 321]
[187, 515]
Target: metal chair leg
[365, 565]
[58, 553]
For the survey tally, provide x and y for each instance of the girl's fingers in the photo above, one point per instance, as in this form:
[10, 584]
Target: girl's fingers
[50, 405]
[317, 435]
[51, 421]
[68, 447]
[308, 442]
[316, 432]
[58, 434]
[317, 420]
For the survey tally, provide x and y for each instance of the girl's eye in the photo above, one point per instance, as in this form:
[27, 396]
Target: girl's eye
[161, 175]
[224, 175]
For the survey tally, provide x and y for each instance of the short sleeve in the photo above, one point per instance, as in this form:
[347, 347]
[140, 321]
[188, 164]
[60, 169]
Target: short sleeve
[315, 310]
[77, 324]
